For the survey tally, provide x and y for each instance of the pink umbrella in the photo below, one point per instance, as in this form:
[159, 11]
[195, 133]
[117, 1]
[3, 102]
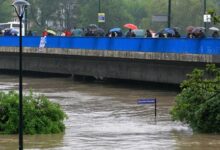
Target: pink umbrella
[130, 26]
[189, 29]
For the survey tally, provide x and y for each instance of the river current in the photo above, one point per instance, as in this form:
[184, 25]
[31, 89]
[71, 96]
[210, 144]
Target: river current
[106, 116]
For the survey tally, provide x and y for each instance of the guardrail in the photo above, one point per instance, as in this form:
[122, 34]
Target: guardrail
[166, 45]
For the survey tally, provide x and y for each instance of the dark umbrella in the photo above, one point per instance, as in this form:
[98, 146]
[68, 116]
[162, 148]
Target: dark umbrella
[197, 29]
[99, 32]
[92, 26]
[169, 31]
[10, 31]
[13, 32]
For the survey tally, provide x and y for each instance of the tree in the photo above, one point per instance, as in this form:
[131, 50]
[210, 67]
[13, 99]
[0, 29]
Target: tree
[60, 14]
[215, 17]
[55, 14]
[41, 116]
[198, 103]
[5, 11]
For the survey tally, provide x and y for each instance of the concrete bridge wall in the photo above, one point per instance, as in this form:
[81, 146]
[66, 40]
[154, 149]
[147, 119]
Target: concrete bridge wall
[141, 66]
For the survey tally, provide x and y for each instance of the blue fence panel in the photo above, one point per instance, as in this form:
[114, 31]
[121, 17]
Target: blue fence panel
[148, 45]
[186, 45]
[102, 43]
[83, 43]
[168, 45]
[210, 46]
[32, 41]
[182, 45]
[124, 44]
[9, 41]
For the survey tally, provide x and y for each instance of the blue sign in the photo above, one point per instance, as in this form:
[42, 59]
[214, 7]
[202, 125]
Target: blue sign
[147, 101]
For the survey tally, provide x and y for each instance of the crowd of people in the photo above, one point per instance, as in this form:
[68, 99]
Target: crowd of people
[93, 30]
[191, 32]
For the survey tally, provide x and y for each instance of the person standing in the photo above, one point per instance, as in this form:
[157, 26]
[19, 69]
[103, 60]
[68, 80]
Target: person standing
[68, 33]
[129, 33]
[30, 33]
[45, 33]
[148, 33]
[215, 34]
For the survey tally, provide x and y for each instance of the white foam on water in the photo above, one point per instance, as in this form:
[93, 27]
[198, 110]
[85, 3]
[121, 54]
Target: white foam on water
[127, 127]
[7, 85]
[79, 96]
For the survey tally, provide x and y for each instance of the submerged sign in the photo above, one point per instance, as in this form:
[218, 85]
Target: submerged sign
[147, 101]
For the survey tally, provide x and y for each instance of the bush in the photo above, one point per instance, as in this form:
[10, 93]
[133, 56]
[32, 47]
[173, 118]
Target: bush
[198, 104]
[40, 115]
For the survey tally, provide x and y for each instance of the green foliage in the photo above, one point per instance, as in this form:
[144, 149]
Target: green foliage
[60, 14]
[5, 11]
[198, 104]
[215, 17]
[40, 115]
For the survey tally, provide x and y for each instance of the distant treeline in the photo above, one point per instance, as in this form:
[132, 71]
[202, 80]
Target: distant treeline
[60, 14]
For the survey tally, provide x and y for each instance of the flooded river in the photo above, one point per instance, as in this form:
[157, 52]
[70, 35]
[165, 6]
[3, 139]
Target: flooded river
[104, 116]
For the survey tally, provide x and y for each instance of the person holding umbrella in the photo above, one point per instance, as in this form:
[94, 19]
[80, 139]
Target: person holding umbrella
[130, 33]
[215, 33]
[45, 33]
[130, 27]
[148, 33]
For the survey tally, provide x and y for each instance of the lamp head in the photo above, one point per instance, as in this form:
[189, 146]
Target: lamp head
[20, 6]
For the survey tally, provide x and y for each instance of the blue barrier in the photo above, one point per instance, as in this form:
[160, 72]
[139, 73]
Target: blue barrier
[168, 45]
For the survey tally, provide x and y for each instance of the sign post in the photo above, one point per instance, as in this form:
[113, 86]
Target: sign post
[149, 101]
[207, 18]
[101, 17]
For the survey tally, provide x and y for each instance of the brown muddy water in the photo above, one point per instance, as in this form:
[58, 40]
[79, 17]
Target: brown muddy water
[107, 117]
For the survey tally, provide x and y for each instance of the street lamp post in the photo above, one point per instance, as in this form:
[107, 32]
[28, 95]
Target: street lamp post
[19, 6]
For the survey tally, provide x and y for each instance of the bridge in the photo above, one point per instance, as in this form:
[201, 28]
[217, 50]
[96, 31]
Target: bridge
[162, 60]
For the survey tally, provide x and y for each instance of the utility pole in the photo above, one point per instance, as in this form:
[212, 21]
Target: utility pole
[25, 20]
[99, 12]
[99, 6]
[169, 14]
[204, 12]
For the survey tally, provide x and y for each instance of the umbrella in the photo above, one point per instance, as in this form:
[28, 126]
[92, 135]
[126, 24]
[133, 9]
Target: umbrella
[99, 32]
[177, 28]
[115, 30]
[130, 26]
[214, 29]
[189, 29]
[93, 26]
[77, 32]
[197, 29]
[139, 32]
[10, 31]
[202, 28]
[51, 32]
[13, 31]
[169, 31]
